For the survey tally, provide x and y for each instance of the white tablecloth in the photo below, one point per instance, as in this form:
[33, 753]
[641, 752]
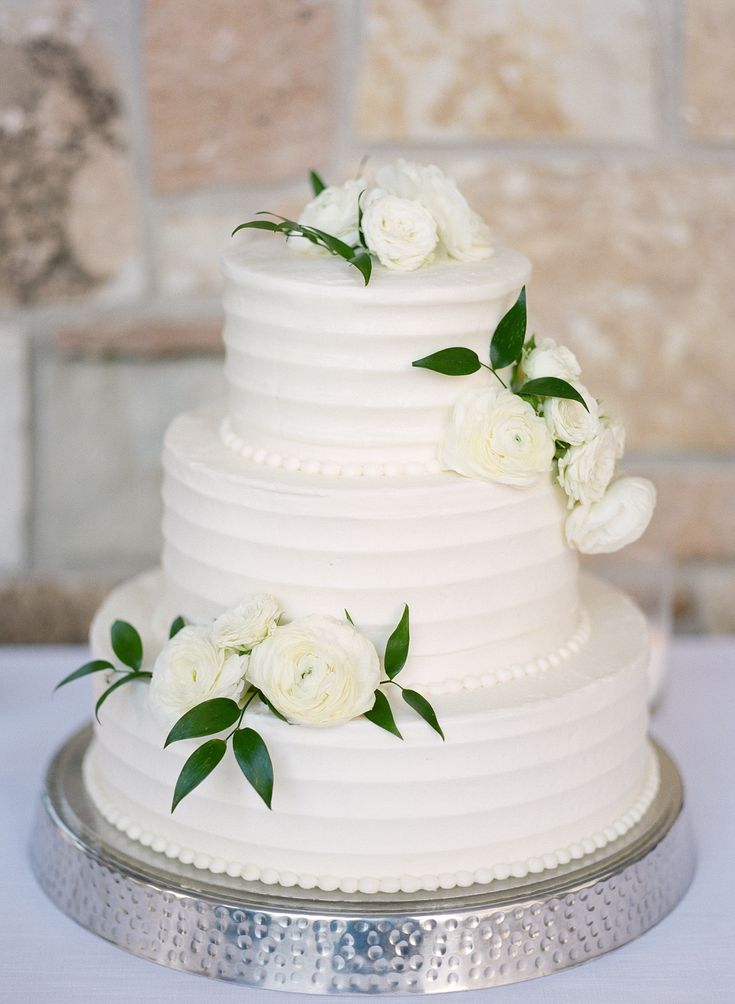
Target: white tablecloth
[44, 956]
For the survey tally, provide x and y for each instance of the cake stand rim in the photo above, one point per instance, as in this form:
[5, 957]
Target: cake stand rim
[442, 908]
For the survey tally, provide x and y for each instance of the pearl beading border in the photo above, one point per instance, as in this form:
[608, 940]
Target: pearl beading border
[327, 468]
[534, 667]
[374, 884]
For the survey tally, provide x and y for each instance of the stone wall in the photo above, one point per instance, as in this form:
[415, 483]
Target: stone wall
[598, 138]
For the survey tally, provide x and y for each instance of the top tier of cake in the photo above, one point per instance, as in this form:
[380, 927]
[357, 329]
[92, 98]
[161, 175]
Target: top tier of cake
[319, 366]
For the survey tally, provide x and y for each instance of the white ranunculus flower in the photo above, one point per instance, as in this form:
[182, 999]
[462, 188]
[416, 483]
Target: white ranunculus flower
[192, 668]
[585, 471]
[316, 671]
[547, 359]
[494, 435]
[462, 232]
[399, 231]
[246, 625]
[619, 518]
[335, 211]
[618, 430]
[568, 421]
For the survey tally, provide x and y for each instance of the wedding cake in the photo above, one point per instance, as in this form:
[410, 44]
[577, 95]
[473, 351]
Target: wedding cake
[368, 661]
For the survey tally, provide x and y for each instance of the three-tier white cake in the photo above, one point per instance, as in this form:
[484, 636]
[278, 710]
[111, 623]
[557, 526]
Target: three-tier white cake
[320, 482]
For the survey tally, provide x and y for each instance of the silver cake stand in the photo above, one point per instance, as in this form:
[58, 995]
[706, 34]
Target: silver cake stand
[264, 936]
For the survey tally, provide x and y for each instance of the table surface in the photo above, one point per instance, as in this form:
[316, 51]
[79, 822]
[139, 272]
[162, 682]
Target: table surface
[46, 957]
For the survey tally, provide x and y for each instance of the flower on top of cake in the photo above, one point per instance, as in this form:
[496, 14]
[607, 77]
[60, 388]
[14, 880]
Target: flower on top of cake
[538, 419]
[410, 215]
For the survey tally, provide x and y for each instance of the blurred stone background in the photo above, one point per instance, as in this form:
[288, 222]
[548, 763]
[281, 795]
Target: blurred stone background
[134, 134]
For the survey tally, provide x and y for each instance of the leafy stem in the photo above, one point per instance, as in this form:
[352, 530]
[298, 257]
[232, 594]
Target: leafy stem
[245, 707]
[495, 374]
[506, 349]
[127, 645]
[355, 256]
[396, 653]
[208, 719]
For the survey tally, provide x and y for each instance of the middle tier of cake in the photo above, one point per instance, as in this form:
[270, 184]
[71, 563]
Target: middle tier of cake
[489, 579]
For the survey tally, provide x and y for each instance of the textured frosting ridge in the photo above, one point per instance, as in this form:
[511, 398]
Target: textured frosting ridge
[319, 367]
[534, 773]
[489, 579]
[374, 884]
[326, 467]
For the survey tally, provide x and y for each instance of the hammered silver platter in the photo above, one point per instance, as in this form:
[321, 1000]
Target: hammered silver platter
[264, 936]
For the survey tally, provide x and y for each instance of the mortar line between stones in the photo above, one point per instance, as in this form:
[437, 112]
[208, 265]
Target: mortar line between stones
[142, 161]
[668, 16]
[349, 19]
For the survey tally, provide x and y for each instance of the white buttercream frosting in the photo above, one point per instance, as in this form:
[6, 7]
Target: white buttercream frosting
[485, 569]
[319, 366]
[533, 774]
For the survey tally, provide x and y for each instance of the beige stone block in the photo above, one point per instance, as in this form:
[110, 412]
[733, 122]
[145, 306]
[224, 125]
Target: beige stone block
[709, 107]
[238, 92]
[48, 612]
[705, 598]
[99, 432]
[192, 238]
[439, 69]
[695, 511]
[68, 212]
[633, 269]
[154, 337]
[190, 243]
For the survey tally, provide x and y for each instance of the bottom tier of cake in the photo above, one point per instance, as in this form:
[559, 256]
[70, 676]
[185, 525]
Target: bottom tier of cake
[534, 772]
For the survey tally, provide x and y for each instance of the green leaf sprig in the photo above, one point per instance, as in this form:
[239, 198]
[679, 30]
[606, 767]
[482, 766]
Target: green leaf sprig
[128, 647]
[396, 653]
[506, 349]
[357, 256]
[251, 754]
[317, 183]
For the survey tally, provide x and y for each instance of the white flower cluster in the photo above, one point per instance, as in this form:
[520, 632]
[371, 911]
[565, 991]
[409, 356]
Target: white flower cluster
[314, 671]
[409, 214]
[494, 435]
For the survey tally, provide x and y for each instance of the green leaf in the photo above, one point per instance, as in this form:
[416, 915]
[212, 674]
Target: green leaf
[451, 362]
[135, 675]
[507, 341]
[126, 644]
[257, 225]
[199, 765]
[358, 258]
[96, 666]
[347, 615]
[360, 234]
[381, 714]
[396, 650]
[254, 761]
[317, 185]
[330, 242]
[271, 707]
[422, 707]
[363, 263]
[551, 387]
[176, 625]
[205, 719]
